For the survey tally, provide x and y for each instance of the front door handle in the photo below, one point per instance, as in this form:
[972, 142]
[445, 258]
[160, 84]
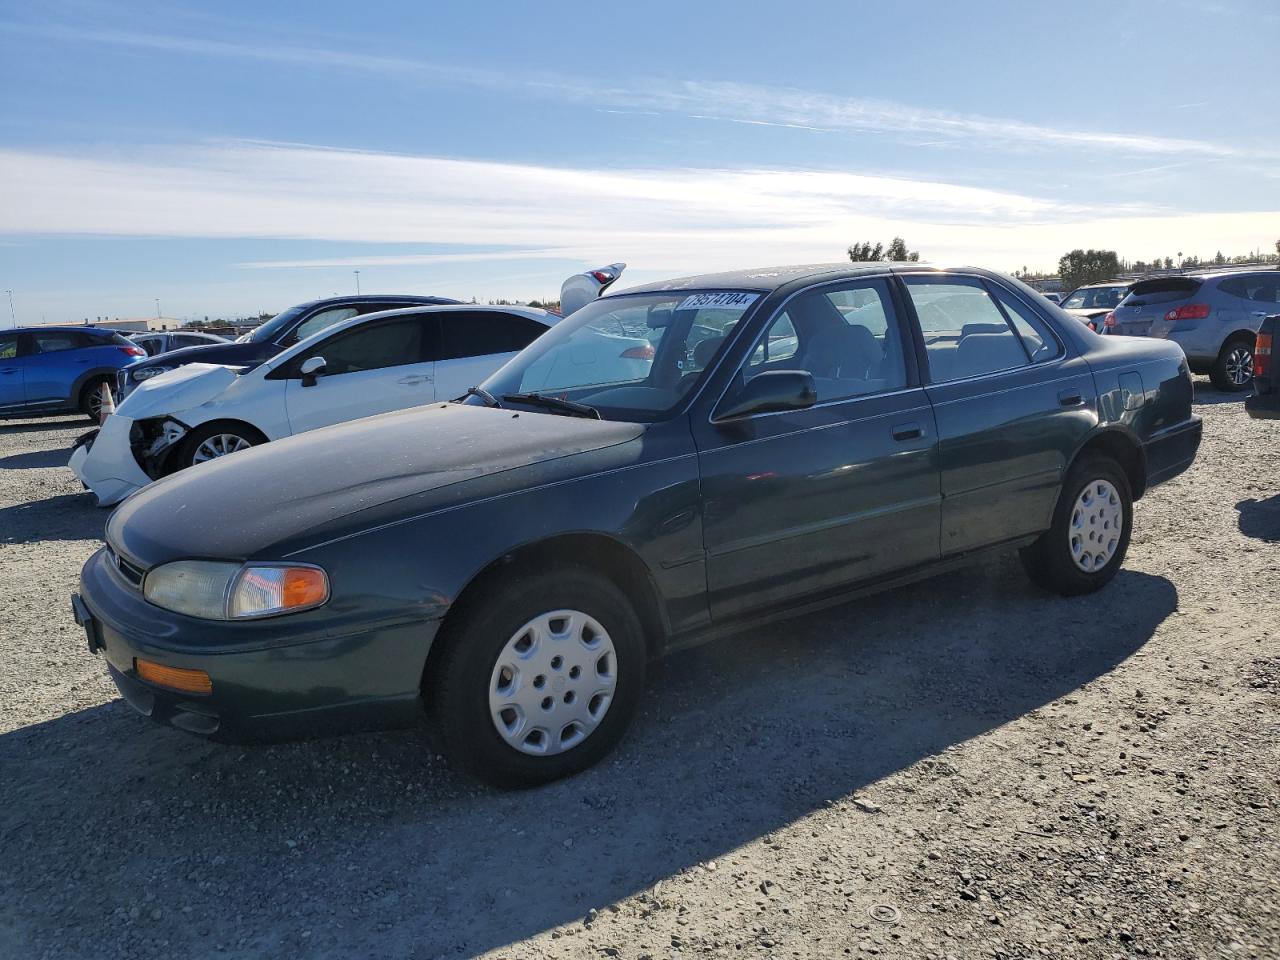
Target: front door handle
[907, 431]
[1071, 397]
[413, 381]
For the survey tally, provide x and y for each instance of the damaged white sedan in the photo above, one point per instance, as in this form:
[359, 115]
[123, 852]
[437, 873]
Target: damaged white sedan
[365, 366]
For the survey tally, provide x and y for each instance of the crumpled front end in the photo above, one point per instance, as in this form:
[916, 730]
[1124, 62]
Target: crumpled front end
[124, 455]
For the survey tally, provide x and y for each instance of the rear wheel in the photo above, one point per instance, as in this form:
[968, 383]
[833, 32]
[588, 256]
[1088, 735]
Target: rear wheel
[216, 440]
[91, 398]
[1233, 370]
[1087, 542]
[539, 678]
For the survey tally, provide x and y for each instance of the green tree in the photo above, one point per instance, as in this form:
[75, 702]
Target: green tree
[896, 251]
[1087, 266]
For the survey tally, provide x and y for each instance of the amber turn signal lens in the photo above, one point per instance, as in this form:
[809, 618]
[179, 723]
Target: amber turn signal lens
[174, 678]
[304, 587]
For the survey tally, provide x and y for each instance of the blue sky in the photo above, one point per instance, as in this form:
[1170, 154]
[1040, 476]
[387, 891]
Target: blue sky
[239, 157]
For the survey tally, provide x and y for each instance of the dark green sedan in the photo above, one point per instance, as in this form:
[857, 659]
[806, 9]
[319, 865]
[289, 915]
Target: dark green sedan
[669, 463]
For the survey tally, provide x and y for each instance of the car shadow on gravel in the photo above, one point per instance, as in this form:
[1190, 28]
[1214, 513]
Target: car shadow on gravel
[125, 837]
[34, 459]
[70, 516]
[46, 425]
[1260, 519]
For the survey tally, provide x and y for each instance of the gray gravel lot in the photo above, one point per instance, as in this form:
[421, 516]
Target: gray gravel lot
[967, 767]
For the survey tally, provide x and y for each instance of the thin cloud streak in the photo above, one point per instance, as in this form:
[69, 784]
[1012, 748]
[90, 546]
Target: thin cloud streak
[663, 221]
[745, 103]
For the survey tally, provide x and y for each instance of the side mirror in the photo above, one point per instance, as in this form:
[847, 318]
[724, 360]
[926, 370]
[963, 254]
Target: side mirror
[769, 392]
[311, 369]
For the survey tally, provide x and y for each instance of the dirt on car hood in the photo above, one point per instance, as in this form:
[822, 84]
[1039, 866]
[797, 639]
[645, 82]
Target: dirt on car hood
[236, 507]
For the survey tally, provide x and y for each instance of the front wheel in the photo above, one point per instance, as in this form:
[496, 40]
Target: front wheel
[215, 440]
[1087, 542]
[539, 678]
[1233, 370]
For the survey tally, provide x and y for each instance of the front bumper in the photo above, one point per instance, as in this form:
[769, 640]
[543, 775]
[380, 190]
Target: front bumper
[1171, 451]
[105, 463]
[271, 678]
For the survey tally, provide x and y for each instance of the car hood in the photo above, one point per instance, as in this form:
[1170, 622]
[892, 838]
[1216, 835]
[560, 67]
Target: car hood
[178, 389]
[231, 352]
[273, 499]
[1087, 313]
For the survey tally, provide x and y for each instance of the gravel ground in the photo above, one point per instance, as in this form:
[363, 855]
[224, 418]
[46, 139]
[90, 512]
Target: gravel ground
[963, 768]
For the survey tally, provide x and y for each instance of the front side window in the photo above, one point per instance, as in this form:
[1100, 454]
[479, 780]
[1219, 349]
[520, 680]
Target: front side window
[632, 357]
[373, 346]
[846, 337]
[321, 321]
[965, 332]
[479, 333]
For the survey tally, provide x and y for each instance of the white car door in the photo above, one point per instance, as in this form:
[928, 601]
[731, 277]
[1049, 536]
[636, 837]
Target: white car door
[368, 369]
[475, 343]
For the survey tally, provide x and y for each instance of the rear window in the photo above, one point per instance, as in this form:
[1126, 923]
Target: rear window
[1163, 290]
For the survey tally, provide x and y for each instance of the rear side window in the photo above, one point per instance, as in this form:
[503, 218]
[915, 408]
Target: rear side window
[374, 346]
[1040, 342]
[8, 346]
[189, 341]
[475, 334]
[965, 331]
[1256, 289]
[59, 340]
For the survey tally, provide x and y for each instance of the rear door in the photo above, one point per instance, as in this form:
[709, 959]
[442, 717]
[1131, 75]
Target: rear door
[371, 368]
[1012, 405]
[13, 391]
[475, 343]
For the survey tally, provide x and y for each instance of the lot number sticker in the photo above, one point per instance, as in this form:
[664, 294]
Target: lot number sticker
[726, 301]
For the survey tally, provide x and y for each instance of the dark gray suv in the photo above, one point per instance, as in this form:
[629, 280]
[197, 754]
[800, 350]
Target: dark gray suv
[1214, 317]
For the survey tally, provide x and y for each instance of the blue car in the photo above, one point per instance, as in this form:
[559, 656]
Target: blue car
[60, 369]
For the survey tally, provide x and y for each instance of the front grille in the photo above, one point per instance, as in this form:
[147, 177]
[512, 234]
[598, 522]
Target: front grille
[131, 572]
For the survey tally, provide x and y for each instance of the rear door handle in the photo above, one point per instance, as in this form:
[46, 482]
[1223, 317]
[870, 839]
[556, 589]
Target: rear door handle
[907, 431]
[413, 381]
[1071, 398]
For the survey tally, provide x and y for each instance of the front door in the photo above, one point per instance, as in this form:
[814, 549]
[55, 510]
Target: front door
[371, 368]
[802, 502]
[1012, 406]
[12, 389]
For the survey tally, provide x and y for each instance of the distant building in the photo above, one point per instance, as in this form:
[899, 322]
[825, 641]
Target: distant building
[142, 323]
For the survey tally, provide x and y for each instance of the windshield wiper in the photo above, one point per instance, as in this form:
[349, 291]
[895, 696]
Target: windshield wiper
[571, 407]
[489, 399]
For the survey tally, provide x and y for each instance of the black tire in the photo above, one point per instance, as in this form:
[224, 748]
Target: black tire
[192, 441]
[90, 401]
[1235, 357]
[1049, 561]
[462, 665]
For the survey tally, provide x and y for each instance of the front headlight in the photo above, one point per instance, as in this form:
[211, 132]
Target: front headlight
[146, 373]
[212, 590]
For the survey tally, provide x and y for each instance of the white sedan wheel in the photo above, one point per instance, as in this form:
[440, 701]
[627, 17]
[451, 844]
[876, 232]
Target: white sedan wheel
[553, 683]
[219, 445]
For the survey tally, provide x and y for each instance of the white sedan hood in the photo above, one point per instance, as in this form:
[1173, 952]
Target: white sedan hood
[179, 389]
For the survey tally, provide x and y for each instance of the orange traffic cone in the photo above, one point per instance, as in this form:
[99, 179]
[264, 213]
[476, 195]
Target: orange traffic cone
[108, 406]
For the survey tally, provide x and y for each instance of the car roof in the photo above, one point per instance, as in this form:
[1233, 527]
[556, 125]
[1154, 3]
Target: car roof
[1105, 283]
[62, 328]
[768, 279]
[378, 298]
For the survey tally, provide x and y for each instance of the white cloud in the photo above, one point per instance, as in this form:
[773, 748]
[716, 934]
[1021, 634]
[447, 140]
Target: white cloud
[661, 221]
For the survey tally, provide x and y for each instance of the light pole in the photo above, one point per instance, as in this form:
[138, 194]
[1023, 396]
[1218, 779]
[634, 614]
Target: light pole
[357, 273]
[12, 313]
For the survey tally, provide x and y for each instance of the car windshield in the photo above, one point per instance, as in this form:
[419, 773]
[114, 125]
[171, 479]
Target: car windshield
[1090, 297]
[280, 322]
[630, 357]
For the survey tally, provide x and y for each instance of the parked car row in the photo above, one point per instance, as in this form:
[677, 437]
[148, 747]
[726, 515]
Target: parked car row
[663, 465]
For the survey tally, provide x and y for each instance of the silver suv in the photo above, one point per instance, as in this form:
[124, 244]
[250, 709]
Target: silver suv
[1213, 317]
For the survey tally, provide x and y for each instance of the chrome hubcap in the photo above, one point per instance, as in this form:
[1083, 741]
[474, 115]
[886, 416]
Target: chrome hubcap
[1097, 521]
[553, 683]
[1240, 365]
[219, 445]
